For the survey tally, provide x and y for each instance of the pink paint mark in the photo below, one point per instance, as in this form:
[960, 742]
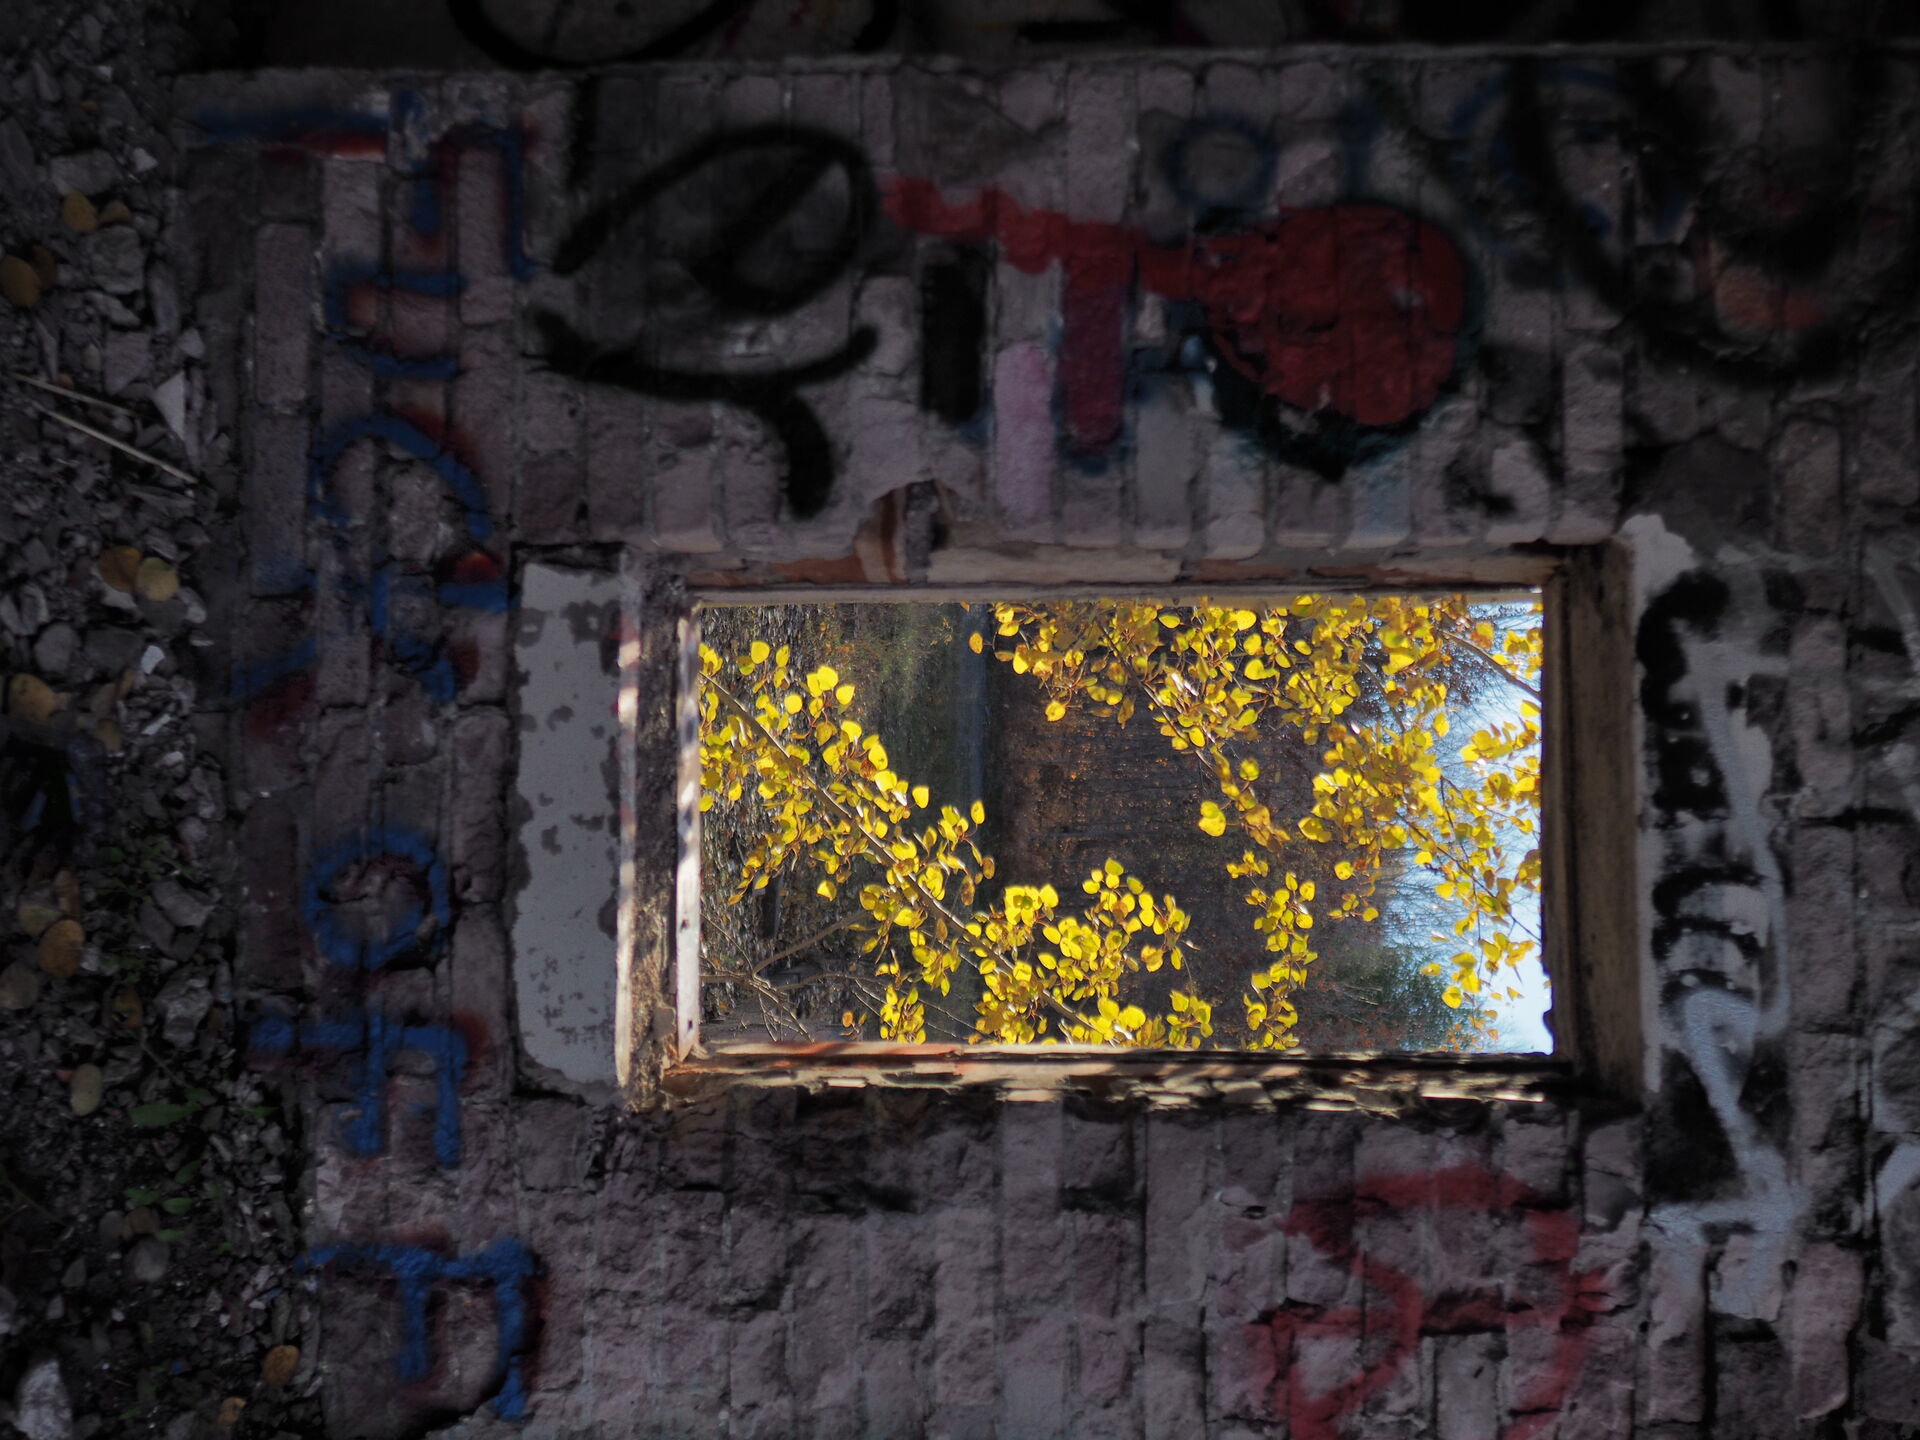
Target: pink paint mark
[1356, 309]
[1397, 1312]
[1022, 434]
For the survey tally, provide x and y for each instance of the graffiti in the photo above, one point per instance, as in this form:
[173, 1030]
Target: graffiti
[1396, 1313]
[1772, 267]
[1337, 328]
[376, 1038]
[560, 38]
[953, 322]
[1719, 916]
[470, 579]
[312, 129]
[506, 1265]
[1220, 167]
[430, 179]
[1458, 22]
[369, 868]
[769, 182]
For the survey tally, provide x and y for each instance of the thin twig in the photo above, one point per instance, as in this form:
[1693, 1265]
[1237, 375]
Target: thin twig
[1493, 661]
[72, 394]
[800, 945]
[105, 439]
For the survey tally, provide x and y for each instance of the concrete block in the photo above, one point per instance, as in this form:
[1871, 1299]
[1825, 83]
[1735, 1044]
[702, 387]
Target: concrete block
[283, 304]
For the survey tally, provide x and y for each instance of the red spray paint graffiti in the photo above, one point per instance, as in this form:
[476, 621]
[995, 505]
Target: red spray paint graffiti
[1356, 309]
[1391, 1331]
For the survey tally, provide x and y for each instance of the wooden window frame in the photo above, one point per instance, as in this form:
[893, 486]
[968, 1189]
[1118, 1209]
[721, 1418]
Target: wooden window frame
[1588, 898]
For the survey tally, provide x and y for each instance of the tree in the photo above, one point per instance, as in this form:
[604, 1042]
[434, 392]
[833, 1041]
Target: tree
[1364, 681]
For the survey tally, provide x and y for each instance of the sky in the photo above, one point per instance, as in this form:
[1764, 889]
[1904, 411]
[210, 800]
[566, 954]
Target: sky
[1523, 1022]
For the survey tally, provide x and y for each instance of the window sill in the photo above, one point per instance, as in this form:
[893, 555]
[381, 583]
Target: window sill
[1371, 1082]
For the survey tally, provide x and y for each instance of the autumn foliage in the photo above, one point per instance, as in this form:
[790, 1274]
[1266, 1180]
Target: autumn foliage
[1367, 684]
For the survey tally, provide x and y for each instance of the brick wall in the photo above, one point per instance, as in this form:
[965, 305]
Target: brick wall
[1187, 319]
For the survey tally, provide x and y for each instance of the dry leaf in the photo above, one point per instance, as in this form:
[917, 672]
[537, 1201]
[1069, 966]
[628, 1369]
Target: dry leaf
[47, 266]
[156, 580]
[31, 698]
[60, 947]
[78, 212]
[143, 1220]
[107, 732]
[66, 889]
[277, 1369]
[120, 567]
[19, 986]
[115, 212]
[230, 1410]
[19, 282]
[85, 1089]
[126, 1009]
[35, 915]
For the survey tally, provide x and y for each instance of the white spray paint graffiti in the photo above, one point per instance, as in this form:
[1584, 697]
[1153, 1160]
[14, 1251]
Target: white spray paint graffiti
[1901, 1168]
[1737, 995]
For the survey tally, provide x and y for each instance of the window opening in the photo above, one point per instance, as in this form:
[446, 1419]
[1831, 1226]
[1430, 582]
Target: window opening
[1301, 825]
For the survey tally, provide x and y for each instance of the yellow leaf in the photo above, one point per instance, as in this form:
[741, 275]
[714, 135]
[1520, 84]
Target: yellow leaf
[1213, 820]
[844, 694]
[759, 651]
[921, 795]
[979, 813]
[826, 888]
[975, 643]
[1055, 710]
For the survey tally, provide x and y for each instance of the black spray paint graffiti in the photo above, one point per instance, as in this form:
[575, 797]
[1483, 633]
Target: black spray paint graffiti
[1785, 270]
[556, 35]
[1789, 253]
[754, 263]
[1719, 919]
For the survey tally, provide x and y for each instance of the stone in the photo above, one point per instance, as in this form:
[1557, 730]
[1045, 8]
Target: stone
[170, 399]
[116, 259]
[147, 1260]
[16, 157]
[90, 172]
[24, 611]
[113, 649]
[41, 1410]
[54, 650]
[181, 905]
[124, 360]
[183, 1002]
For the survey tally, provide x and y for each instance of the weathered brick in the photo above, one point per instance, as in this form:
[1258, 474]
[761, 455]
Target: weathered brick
[283, 300]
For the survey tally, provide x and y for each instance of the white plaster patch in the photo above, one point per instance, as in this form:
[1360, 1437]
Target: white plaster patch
[563, 943]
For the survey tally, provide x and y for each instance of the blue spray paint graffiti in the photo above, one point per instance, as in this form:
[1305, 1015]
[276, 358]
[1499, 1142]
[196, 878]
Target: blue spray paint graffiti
[477, 587]
[316, 129]
[376, 1039]
[506, 1264]
[407, 932]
